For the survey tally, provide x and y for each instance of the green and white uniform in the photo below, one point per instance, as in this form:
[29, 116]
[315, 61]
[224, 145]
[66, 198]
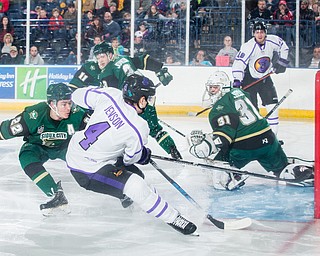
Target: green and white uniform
[44, 139]
[245, 135]
[113, 75]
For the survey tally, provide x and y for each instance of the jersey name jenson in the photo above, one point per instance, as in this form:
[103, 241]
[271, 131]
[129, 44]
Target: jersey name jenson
[113, 117]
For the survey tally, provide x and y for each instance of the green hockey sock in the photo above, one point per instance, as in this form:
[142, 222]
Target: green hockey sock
[45, 182]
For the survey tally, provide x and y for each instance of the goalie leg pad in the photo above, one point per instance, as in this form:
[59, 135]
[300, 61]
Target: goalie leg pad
[228, 181]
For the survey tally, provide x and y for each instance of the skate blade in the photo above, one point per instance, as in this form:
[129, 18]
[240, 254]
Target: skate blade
[58, 211]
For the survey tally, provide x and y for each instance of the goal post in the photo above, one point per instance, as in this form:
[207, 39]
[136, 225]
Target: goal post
[317, 148]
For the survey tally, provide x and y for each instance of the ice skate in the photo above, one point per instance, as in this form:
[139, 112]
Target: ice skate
[183, 225]
[58, 205]
[126, 201]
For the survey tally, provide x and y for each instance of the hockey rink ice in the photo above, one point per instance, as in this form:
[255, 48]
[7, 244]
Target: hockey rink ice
[282, 215]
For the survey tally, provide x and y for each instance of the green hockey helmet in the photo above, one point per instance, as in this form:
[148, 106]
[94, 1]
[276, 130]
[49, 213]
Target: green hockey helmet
[103, 47]
[136, 86]
[56, 92]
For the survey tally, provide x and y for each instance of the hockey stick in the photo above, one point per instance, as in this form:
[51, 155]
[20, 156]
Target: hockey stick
[257, 81]
[237, 224]
[225, 169]
[198, 113]
[172, 128]
[279, 103]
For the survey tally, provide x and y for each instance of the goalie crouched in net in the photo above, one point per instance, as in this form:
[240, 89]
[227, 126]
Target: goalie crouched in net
[240, 135]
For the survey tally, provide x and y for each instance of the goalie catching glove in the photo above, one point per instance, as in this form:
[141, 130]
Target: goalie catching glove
[203, 145]
[164, 76]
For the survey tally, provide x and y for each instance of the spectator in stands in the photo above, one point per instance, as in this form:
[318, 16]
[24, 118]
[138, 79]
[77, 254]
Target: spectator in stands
[200, 59]
[307, 17]
[124, 5]
[144, 28]
[96, 40]
[284, 22]
[171, 60]
[118, 49]
[114, 11]
[153, 13]
[100, 7]
[96, 29]
[126, 21]
[35, 58]
[315, 61]
[4, 7]
[160, 5]
[70, 18]
[56, 24]
[49, 5]
[272, 5]
[16, 58]
[7, 43]
[5, 27]
[87, 5]
[87, 19]
[42, 24]
[111, 28]
[139, 44]
[260, 12]
[140, 13]
[228, 50]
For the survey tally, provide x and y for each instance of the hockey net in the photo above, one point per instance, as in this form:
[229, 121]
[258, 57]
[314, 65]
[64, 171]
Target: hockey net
[317, 148]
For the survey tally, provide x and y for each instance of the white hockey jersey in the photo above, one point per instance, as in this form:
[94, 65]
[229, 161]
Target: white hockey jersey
[258, 58]
[114, 130]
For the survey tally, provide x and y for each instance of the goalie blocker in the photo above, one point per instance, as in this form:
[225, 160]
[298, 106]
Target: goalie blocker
[208, 145]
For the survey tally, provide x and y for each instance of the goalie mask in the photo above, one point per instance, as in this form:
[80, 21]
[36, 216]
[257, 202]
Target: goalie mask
[217, 85]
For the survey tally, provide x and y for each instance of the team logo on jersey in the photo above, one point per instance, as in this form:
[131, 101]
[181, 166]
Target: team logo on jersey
[118, 173]
[33, 115]
[262, 64]
[219, 107]
[40, 129]
[92, 67]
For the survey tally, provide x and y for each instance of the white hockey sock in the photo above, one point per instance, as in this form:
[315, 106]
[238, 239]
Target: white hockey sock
[273, 119]
[137, 189]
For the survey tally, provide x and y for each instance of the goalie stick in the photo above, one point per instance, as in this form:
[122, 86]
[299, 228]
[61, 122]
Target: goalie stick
[172, 128]
[225, 169]
[234, 225]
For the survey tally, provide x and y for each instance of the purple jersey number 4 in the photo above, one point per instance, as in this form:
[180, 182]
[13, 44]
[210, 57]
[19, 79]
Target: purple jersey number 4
[92, 133]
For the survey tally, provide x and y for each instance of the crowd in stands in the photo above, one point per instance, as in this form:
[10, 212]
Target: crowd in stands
[159, 26]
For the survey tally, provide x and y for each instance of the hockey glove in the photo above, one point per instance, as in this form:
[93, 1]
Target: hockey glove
[280, 66]
[236, 84]
[145, 156]
[164, 76]
[202, 145]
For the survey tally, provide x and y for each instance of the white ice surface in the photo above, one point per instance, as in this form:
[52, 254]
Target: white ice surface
[98, 225]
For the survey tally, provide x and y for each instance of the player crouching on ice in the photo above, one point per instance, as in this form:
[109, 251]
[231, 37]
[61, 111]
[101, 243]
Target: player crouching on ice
[240, 135]
[115, 130]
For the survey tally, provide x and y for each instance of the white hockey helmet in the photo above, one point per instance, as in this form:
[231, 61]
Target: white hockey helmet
[218, 79]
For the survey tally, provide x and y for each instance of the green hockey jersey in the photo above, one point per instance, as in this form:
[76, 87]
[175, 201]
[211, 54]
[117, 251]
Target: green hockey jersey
[237, 121]
[114, 74]
[36, 126]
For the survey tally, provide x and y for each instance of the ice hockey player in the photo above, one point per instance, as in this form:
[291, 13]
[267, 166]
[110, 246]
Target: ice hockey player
[240, 135]
[46, 129]
[115, 130]
[258, 57]
[111, 72]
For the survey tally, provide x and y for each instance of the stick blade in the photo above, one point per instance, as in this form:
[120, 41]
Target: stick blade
[192, 114]
[238, 224]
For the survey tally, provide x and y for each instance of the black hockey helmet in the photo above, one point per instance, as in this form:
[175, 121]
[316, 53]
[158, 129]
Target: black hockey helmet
[56, 92]
[103, 47]
[259, 25]
[136, 86]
